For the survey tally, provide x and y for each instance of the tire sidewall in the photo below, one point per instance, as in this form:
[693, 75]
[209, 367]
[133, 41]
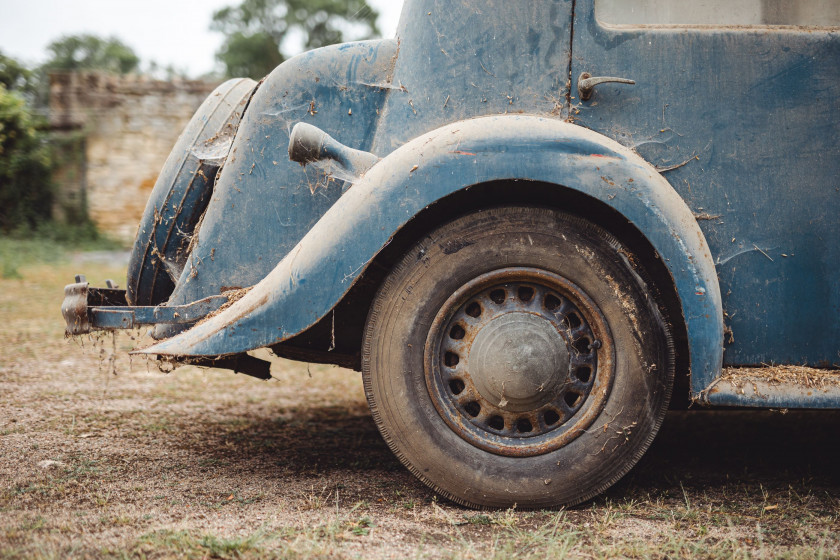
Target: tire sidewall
[395, 341]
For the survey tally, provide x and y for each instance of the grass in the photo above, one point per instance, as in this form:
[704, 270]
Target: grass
[205, 464]
[49, 243]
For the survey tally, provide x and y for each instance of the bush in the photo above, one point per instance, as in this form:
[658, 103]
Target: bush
[26, 191]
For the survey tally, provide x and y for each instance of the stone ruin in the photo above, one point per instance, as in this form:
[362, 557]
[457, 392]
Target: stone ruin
[113, 135]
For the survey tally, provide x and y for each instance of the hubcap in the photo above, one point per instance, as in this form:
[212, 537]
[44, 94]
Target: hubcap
[519, 361]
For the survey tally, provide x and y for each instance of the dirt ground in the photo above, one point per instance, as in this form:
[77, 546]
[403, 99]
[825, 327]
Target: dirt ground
[204, 463]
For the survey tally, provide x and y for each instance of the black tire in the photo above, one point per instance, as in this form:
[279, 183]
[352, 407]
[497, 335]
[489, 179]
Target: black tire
[181, 194]
[565, 326]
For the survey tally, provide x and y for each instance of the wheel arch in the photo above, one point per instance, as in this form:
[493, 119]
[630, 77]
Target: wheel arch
[460, 164]
[354, 306]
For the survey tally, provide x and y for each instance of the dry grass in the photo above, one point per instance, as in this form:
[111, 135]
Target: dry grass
[204, 463]
[812, 378]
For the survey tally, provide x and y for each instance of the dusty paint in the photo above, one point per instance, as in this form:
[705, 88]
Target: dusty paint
[335, 252]
[445, 109]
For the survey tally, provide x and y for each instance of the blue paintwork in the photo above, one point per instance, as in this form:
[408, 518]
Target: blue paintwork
[323, 267]
[761, 393]
[752, 114]
[263, 204]
[760, 110]
[373, 96]
[182, 191]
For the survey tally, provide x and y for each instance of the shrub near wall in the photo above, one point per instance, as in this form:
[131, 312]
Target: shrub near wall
[25, 166]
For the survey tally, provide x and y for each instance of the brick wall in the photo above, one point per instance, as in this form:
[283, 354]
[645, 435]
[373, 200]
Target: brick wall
[120, 130]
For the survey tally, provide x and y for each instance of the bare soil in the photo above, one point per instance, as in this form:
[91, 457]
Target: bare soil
[102, 456]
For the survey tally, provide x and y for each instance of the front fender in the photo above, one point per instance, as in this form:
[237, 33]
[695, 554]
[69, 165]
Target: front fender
[319, 271]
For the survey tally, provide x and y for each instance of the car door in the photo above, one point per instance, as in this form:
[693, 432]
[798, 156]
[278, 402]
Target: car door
[738, 105]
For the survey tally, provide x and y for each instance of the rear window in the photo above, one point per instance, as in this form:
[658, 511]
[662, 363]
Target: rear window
[818, 13]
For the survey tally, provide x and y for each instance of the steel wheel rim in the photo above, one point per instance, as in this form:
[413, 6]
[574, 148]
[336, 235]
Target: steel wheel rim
[519, 361]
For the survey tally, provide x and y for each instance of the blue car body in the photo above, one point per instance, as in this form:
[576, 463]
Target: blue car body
[719, 167]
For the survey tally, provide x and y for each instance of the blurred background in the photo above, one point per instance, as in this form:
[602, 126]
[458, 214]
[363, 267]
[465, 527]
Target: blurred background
[94, 93]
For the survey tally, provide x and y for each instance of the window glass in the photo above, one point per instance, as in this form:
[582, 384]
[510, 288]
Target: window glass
[823, 13]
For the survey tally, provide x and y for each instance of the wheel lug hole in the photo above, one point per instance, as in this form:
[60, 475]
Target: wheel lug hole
[498, 296]
[523, 426]
[473, 309]
[583, 373]
[456, 386]
[496, 422]
[525, 293]
[571, 398]
[451, 359]
[472, 408]
[552, 302]
[551, 417]
[457, 332]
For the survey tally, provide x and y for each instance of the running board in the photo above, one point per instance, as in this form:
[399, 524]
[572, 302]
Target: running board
[774, 387]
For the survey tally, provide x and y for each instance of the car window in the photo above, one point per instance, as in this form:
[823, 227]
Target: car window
[820, 13]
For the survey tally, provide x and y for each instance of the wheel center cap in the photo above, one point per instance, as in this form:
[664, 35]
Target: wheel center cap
[519, 361]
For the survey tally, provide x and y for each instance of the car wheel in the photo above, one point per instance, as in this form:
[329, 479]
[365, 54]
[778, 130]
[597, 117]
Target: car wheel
[181, 194]
[515, 356]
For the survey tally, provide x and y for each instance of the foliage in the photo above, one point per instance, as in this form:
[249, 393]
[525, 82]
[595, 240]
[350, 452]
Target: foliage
[28, 154]
[25, 165]
[89, 52]
[257, 31]
[14, 75]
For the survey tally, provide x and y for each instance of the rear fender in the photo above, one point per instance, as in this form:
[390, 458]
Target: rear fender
[319, 271]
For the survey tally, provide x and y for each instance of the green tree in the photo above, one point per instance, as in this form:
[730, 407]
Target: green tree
[25, 165]
[14, 75]
[255, 31]
[89, 52]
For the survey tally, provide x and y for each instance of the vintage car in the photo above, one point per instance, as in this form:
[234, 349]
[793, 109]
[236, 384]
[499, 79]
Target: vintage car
[524, 223]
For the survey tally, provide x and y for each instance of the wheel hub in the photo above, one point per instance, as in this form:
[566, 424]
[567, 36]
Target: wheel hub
[519, 361]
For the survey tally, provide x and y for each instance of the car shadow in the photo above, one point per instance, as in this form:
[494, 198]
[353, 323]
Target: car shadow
[714, 449]
[701, 450]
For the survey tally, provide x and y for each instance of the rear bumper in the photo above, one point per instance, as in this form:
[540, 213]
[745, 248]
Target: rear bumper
[86, 309]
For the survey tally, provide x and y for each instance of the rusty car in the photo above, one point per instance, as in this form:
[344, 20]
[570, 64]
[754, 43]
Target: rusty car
[526, 224]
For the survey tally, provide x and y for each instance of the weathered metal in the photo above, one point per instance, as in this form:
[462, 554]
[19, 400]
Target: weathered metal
[182, 192]
[343, 243]
[519, 361]
[745, 121]
[85, 309]
[586, 83]
[723, 158]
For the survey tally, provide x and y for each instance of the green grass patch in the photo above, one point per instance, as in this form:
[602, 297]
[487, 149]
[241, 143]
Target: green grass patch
[48, 243]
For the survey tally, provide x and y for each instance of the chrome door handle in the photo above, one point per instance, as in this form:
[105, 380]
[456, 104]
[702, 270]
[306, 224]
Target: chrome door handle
[586, 83]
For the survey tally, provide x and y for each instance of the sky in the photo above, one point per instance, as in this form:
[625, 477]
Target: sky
[169, 32]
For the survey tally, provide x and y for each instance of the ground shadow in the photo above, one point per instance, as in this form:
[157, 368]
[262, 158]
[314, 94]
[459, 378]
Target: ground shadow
[708, 449]
[695, 450]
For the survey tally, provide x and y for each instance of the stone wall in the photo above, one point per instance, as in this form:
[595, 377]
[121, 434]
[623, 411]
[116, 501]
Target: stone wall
[117, 132]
